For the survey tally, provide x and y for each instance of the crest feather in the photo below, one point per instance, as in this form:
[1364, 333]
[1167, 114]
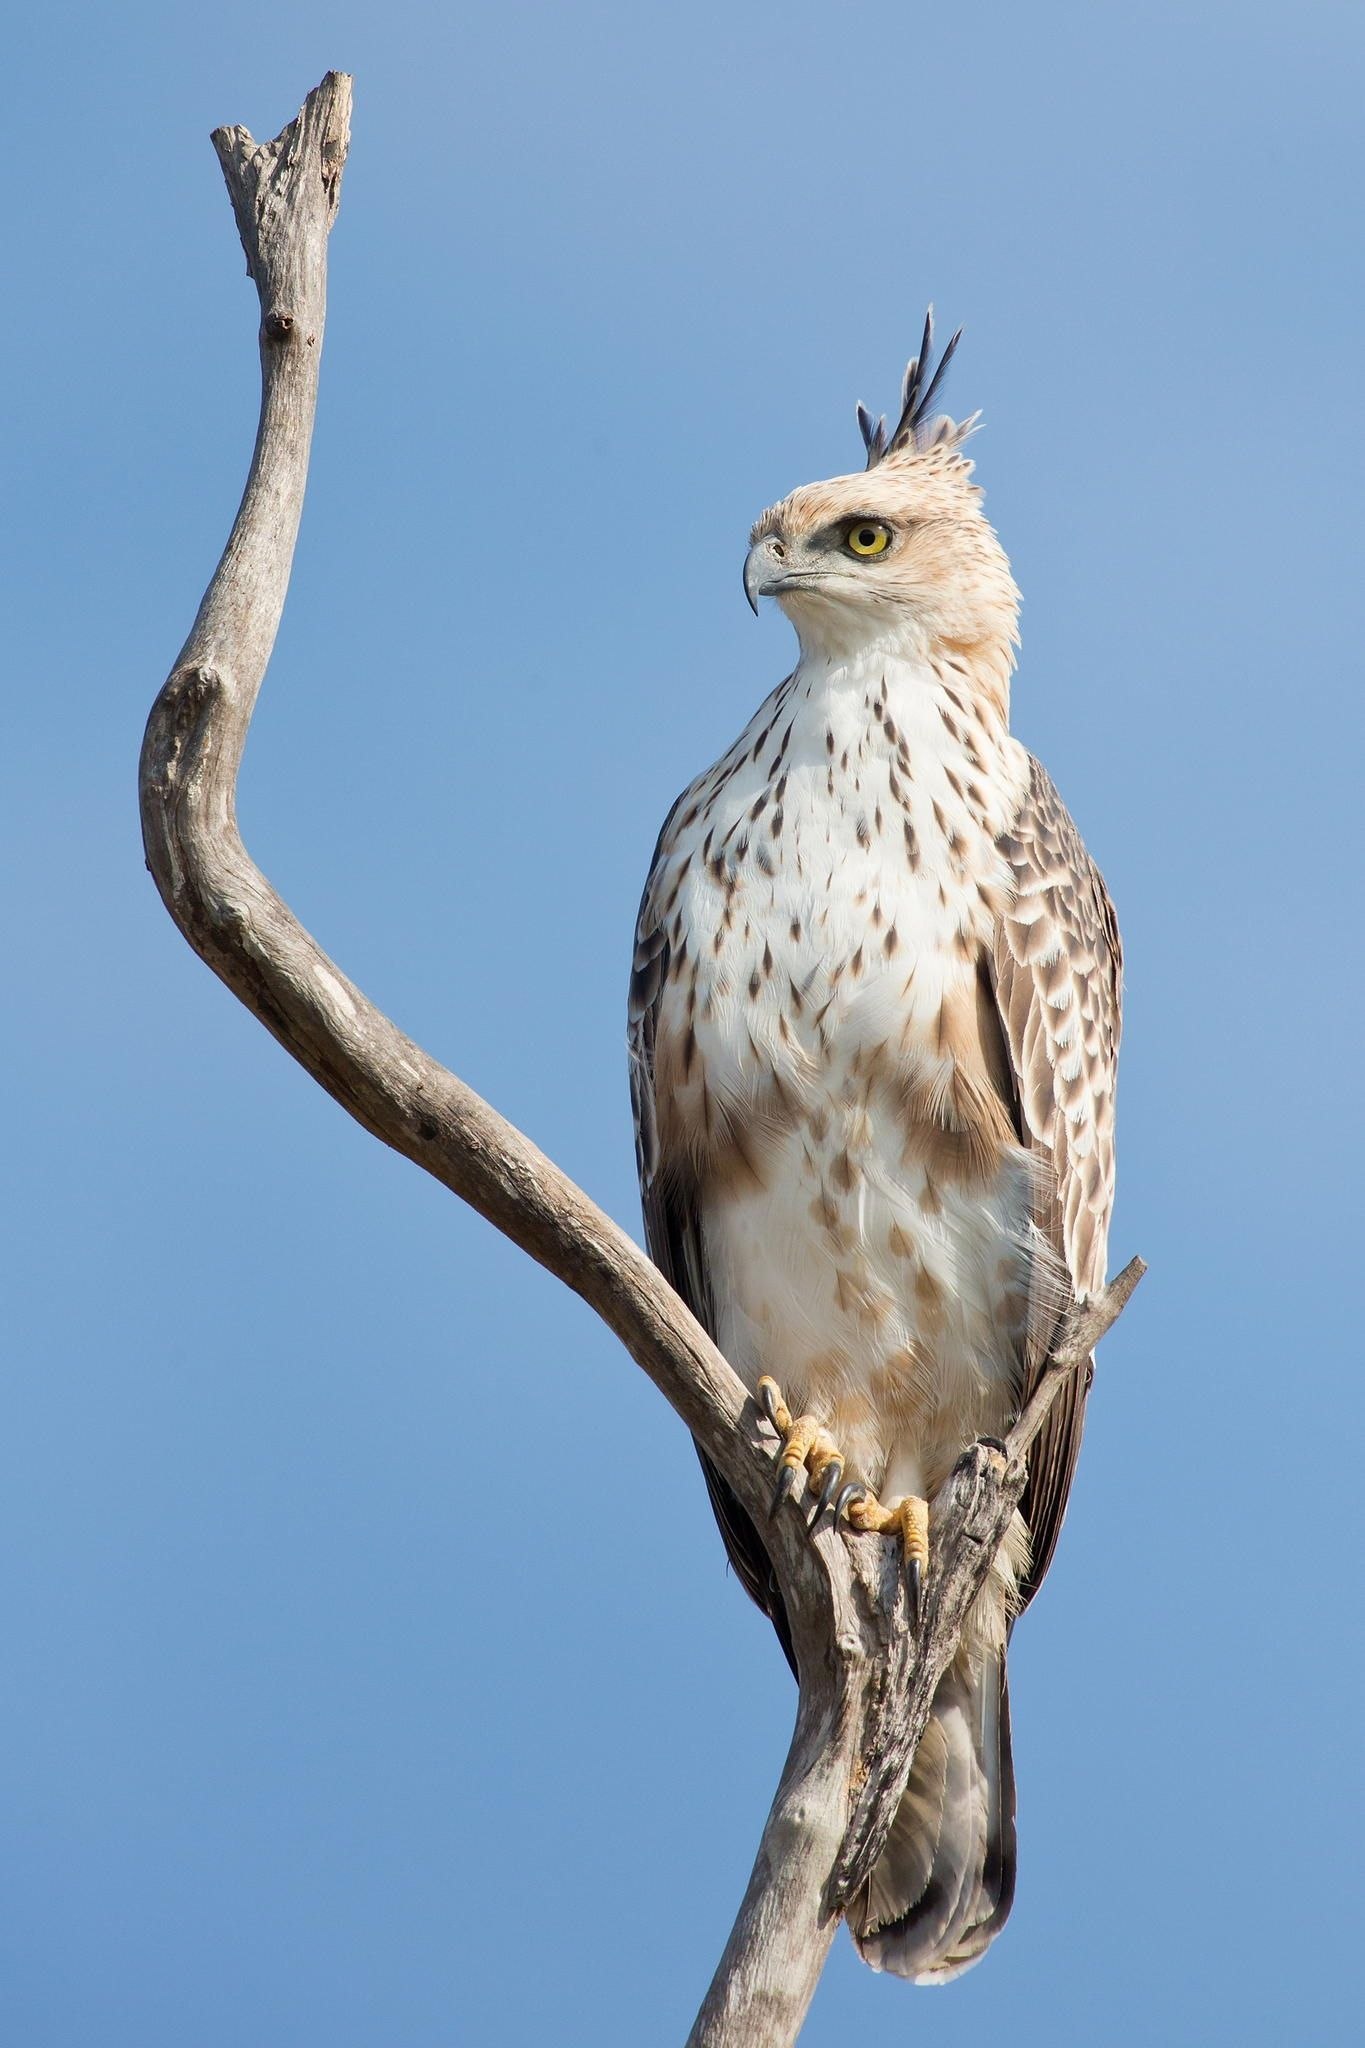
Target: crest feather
[922, 380]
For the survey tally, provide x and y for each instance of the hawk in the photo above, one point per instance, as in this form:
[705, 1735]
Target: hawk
[874, 1025]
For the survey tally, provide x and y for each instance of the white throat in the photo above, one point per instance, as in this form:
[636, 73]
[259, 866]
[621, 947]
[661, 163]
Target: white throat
[834, 631]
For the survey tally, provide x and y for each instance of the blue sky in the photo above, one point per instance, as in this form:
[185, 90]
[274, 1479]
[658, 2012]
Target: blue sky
[372, 1673]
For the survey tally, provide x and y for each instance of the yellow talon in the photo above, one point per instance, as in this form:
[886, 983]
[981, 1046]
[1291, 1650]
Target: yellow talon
[805, 1443]
[910, 1519]
[802, 1436]
[914, 1514]
[772, 1404]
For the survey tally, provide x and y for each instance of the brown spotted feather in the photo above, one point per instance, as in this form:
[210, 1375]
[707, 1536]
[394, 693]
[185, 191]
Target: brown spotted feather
[672, 1219]
[1057, 971]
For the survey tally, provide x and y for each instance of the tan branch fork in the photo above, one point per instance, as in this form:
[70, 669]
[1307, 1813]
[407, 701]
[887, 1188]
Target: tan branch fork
[866, 1682]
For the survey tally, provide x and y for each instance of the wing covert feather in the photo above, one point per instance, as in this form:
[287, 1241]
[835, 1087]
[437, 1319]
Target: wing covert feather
[1058, 969]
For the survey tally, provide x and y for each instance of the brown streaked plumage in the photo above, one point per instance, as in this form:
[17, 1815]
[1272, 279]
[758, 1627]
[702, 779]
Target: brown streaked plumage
[874, 1027]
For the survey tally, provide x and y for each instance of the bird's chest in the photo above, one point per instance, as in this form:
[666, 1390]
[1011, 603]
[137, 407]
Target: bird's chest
[817, 1034]
[828, 910]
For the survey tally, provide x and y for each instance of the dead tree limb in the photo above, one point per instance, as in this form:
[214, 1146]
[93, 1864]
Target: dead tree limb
[866, 1683]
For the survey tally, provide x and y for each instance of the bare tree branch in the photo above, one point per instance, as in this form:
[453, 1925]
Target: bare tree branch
[866, 1683]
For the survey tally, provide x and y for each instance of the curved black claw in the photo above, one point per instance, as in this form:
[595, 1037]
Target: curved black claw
[914, 1586]
[829, 1486]
[853, 1491]
[785, 1487]
[767, 1401]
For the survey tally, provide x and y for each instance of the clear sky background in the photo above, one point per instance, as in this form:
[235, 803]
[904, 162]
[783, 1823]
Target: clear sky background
[371, 1672]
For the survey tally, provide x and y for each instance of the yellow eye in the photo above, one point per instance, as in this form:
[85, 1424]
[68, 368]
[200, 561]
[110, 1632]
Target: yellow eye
[868, 537]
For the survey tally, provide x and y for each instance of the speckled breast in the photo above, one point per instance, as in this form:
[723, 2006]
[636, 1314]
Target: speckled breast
[826, 1060]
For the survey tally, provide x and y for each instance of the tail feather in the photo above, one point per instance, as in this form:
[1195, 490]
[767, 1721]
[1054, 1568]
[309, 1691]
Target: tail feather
[945, 1882]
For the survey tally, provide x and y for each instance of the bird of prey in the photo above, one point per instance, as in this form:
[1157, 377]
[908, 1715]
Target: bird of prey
[874, 1024]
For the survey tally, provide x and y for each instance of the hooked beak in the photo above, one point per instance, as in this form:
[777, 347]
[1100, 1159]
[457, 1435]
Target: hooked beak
[763, 569]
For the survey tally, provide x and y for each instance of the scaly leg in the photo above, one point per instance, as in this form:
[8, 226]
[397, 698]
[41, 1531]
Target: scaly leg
[805, 1442]
[908, 1517]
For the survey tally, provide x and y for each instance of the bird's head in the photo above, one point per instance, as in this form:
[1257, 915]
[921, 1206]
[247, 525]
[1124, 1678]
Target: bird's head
[900, 554]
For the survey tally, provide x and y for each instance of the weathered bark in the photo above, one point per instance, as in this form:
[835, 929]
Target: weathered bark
[866, 1682]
